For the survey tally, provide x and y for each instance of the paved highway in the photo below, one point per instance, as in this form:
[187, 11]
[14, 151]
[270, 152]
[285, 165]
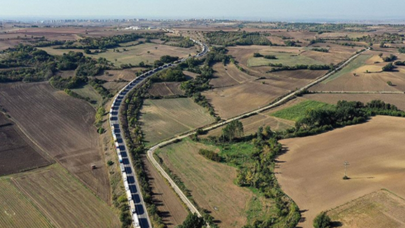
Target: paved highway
[140, 215]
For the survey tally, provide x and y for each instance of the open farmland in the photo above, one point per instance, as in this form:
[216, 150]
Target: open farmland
[165, 118]
[64, 200]
[16, 151]
[311, 170]
[165, 89]
[90, 92]
[211, 184]
[364, 74]
[228, 75]
[252, 123]
[17, 210]
[61, 126]
[171, 208]
[395, 99]
[378, 209]
[299, 110]
[135, 54]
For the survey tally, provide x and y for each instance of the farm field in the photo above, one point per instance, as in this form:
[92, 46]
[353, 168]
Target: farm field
[395, 99]
[312, 169]
[229, 75]
[164, 118]
[211, 184]
[135, 54]
[171, 208]
[17, 210]
[378, 209]
[299, 110]
[61, 126]
[89, 91]
[285, 58]
[17, 152]
[165, 89]
[234, 100]
[63, 199]
[354, 77]
[252, 124]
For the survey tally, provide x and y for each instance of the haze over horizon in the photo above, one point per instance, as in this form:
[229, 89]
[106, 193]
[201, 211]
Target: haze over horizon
[291, 10]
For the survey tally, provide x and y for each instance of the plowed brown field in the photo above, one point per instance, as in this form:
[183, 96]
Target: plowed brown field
[311, 170]
[62, 126]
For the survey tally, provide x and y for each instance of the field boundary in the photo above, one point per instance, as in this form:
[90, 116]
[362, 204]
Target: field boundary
[152, 150]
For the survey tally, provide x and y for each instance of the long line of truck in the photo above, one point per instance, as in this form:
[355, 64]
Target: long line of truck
[139, 213]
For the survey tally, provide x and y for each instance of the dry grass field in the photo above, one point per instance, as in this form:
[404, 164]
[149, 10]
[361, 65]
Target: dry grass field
[311, 170]
[164, 118]
[365, 74]
[211, 184]
[17, 210]
[165, 89]
[229, 75]
[62, 126]
[135, 54]
[17, 152]
[63, 199]
[378, 209]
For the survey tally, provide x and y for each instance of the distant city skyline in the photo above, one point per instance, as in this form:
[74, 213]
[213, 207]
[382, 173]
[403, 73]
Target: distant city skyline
[275, 10]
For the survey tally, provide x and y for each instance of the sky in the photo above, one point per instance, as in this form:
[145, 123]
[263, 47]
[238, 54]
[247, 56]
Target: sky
[280, 10]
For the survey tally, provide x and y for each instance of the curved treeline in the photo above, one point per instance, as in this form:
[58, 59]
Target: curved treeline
[346, 113]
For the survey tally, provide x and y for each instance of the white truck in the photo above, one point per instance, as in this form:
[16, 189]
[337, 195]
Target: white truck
[132, 206]
[129, 195]
[135, 221]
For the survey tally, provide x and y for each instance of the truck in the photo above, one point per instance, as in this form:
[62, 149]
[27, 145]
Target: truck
[132, 206]
[126, 185]
[117, 145]
[129, 195]
[122, 168]
[124, 176]
[120, 158]
[135, 221]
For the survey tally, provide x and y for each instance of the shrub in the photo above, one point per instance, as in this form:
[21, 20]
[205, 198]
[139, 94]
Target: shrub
[110, 163]
[322, 221]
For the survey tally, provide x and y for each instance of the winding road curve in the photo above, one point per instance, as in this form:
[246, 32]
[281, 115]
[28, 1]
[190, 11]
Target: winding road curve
[129, 168]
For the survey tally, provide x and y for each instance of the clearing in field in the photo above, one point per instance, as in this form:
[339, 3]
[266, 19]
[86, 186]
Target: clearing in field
[378, 209]
[17, 210]
[62, 126]
[311, 170]
[211, 184]
[299, 110]
[164, 118]
[285, 58]
[17, 152]
[63, 199]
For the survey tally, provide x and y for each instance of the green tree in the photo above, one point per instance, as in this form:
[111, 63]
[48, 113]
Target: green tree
[192, 221]
[322, 221]
[233, 130]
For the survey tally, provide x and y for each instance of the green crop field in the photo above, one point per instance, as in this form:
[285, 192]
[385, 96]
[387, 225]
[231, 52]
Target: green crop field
[356, 63]
[285, 58]
[299, 110]
[165, 118]
[17, 210]
[212, 183]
